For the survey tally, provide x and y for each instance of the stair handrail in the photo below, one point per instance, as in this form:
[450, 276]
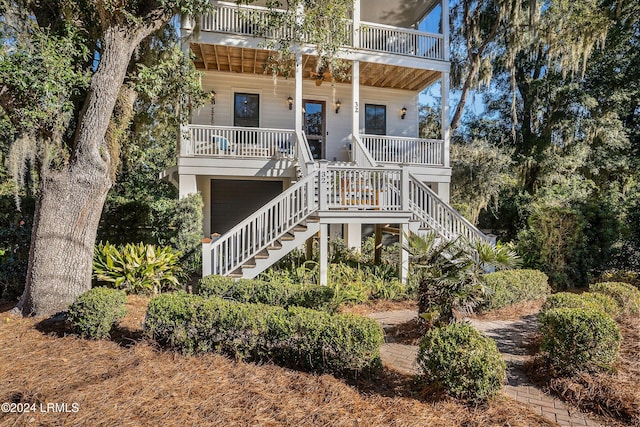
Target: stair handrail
[263, 227]
[361, 155]
[440, 216]
[305, 158]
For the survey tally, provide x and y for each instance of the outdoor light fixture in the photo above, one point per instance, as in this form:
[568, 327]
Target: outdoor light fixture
[404, 112]
[290, 102]
[338, 105]
[213, 96]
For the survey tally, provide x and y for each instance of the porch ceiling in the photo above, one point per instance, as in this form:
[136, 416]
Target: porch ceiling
[251, 61]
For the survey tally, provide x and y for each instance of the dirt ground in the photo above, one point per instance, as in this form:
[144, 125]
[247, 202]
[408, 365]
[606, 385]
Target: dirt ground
[57, 379]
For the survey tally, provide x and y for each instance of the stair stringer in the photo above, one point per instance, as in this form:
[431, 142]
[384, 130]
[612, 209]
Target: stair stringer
[276, 255]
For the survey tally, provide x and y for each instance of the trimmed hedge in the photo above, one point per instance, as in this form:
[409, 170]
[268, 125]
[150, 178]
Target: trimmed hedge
[589, 300]
[296, 336]
[271, 293]
[627, 296]
[97, 311]
[507, 287]
[579, 339]
[463, 361]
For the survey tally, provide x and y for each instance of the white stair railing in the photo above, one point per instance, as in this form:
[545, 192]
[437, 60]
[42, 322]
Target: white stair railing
[427, 207]
[261, 229]
[360, 155]
[361, 188]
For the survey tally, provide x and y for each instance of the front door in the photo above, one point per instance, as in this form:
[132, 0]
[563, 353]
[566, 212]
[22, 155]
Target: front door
[314, 127]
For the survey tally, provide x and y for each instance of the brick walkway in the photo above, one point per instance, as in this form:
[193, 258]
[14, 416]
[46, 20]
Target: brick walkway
[510, 337]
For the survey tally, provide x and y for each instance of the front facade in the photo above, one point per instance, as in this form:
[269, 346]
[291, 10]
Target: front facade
[279, 161]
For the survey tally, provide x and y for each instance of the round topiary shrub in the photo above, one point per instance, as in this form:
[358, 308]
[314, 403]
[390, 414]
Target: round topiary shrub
[579, 339]
[463, 361]
[589, 300]
[97, 311]
[626, 295]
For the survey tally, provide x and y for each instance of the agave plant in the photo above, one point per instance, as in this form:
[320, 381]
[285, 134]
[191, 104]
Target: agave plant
[138, 269]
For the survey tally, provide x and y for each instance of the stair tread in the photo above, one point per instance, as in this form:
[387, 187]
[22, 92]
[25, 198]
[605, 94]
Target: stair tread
[287, 237]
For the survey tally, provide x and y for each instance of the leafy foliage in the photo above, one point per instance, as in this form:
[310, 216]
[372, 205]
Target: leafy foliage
[450, 275]
[296, 336]
[587, 300]
[505, 288]
[276, 293]
[627, 296]
[97, 311]
[579, 339]
[461, 360]
[137, 269]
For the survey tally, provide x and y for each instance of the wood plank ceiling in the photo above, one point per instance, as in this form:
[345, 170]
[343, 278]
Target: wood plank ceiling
[252, 61]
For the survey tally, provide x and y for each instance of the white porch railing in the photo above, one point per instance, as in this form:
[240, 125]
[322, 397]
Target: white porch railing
[254, 21]
[404, 41]
[360, 188]
[427, 207]
[396, 149]
[360, 155]
[331, 188]
[232, 141]
[245, 19]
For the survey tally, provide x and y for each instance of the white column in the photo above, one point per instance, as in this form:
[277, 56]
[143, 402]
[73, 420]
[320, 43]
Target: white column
[353, 236]
[324, 254]
[323, 183]
[445, 118]
[297, 106]
[356, 23]
[442, 188]
[355, 97]
[404, 254]
[206, 257]
[187, 186]
[445, 28]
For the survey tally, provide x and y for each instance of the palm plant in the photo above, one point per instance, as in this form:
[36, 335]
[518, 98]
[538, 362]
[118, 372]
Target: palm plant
[449, 274]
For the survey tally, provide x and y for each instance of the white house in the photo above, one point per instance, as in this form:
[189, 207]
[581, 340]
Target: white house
[279, 161]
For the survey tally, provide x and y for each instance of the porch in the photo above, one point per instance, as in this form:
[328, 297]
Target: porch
[232, 142]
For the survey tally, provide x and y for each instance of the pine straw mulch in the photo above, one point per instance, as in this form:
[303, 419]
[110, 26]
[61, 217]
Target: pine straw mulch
[614, 397]
[129, 382]
[378, 306]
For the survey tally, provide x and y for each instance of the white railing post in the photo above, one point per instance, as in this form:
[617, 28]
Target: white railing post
[206, 257]
[404, 188]
[323, 184]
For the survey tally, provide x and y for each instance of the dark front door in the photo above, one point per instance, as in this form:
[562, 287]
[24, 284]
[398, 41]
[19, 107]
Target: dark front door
[314, 127]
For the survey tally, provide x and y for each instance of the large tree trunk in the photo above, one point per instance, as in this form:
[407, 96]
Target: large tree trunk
[68, 208]
[70, 201]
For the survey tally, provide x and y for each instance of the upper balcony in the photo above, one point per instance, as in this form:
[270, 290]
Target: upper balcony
[230, 18]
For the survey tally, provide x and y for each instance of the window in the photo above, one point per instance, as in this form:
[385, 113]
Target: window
[375, 119]
[246, 110]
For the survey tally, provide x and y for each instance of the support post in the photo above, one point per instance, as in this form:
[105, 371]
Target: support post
[324, 254]
[445, 28]
[206, 257]
[404, 188]
[353, 236]
[323, 183]
[356, 23]
[309, 249]
[297, 107]
[188, 185]
[355, 98]
[377, 248]
[404, 254]
[445, 119]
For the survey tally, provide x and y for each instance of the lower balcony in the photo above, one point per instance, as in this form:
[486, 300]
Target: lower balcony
[401, 150]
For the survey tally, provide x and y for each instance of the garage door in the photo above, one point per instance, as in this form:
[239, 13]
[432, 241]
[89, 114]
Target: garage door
[234, 200]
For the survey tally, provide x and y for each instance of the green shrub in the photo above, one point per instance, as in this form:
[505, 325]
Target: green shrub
[588, 300]
[282, 294]
[463, 361]
[296, 337]
[626, 276]
[626, 295]
[97, 311]
[137, 269]
[507, 287]
[579, 339]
